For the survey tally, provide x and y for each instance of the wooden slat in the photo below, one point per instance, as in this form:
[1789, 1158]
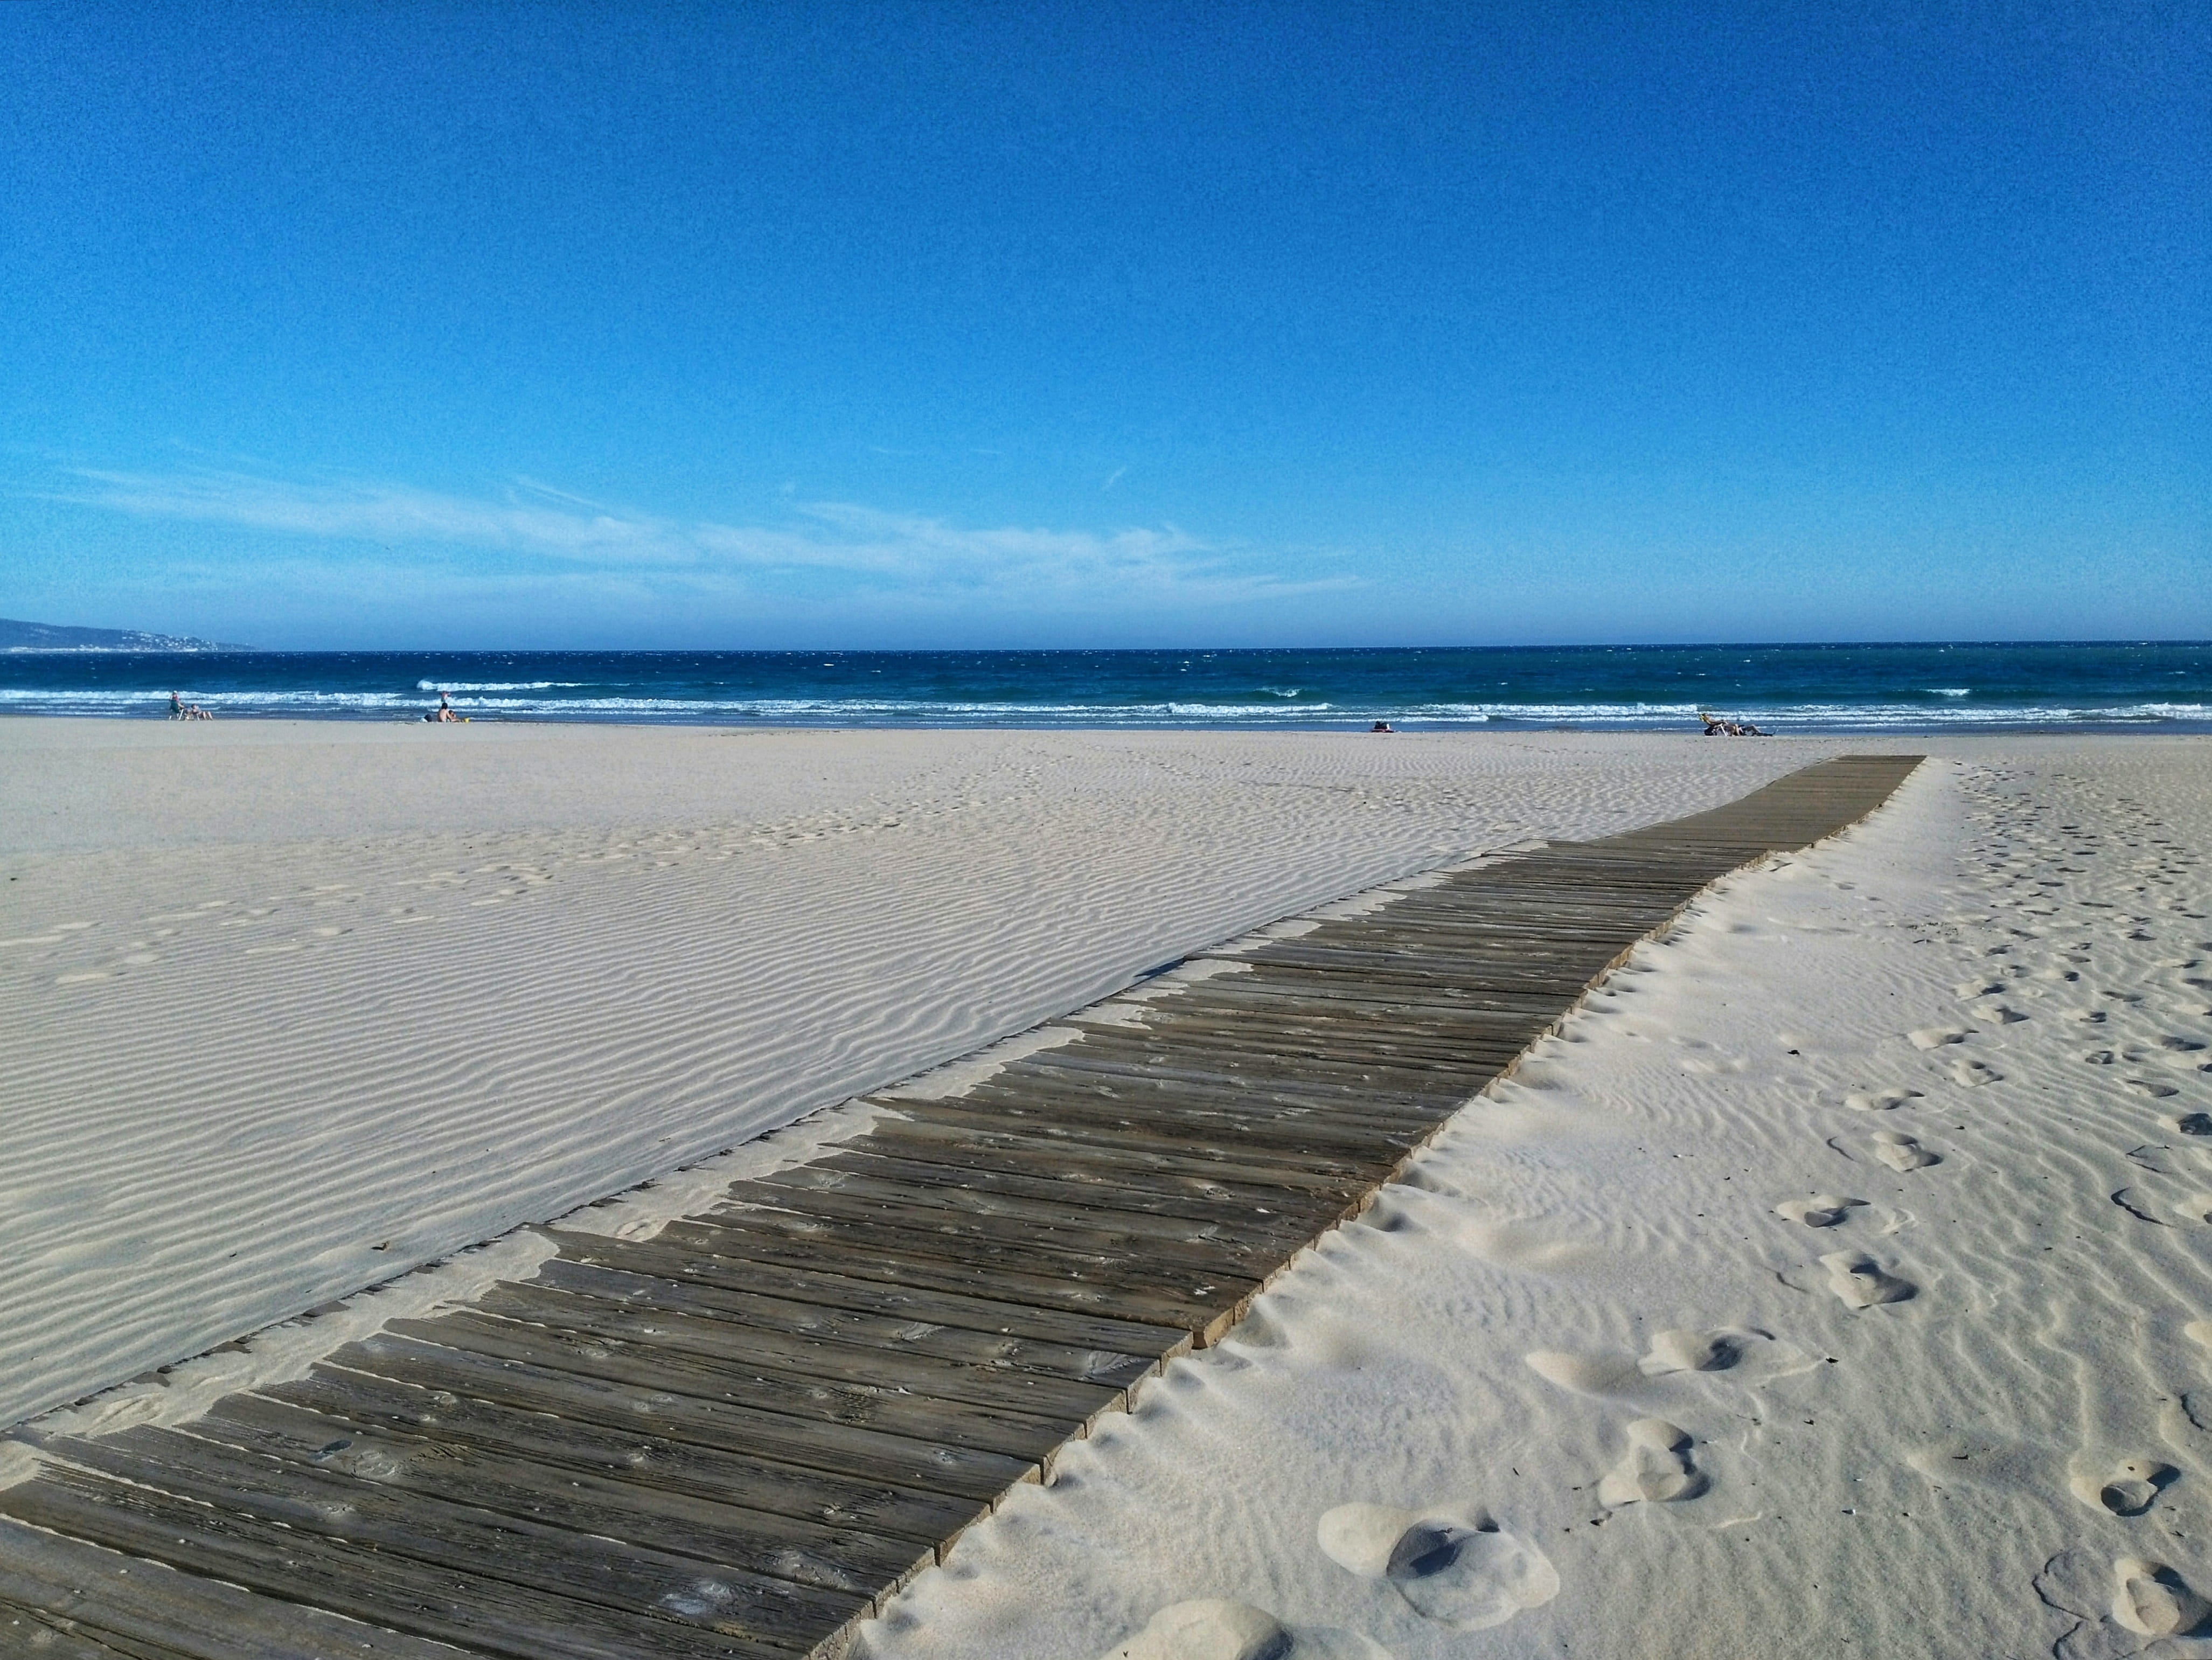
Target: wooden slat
[401, 1593]
[760, 1382]
[631, 1446]
[735, 1438]
[642, 1583]
[940, 1345]
[150, 1610]
[713, 1530]
[814, 1282]
[825, 1440]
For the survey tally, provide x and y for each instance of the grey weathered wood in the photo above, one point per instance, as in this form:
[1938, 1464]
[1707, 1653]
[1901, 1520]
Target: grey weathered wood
[697, 1334]
[714, 1530]
[825, 1439]
[814, 1283]
[647, 1584]
[151, 1611]
[734, 1439]
[872, 1332]
[760, 1384]
[630, 1445]
[401, 1593]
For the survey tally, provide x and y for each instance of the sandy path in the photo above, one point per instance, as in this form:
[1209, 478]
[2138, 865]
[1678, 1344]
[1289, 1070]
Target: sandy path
[287, 1008]
[1839, 1283]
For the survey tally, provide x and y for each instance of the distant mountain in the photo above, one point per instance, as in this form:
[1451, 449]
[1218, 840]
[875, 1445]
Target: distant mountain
[47, 636]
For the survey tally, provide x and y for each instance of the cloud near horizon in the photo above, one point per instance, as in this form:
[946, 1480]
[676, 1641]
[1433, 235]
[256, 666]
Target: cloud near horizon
[864, 550]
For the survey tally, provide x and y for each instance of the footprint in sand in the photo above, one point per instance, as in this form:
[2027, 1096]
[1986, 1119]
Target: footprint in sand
[1460, 1570]
[2129, 1489]
[2192, 1123]
[1901, 1153]
[1699, 1351]
[2155, 1091]
[1742, 1355]
[1861, 1282]
[1655, 1469]
[1878, 1100]
[1822, 1210]
[1971, 1074]
[1934, 1037]
[1218, 1629]
[2151, 1600]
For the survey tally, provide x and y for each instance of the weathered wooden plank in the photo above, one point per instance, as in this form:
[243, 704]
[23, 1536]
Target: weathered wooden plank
[1067, 1235]
[1157, 1118]
[1266, 1228]
[34, 1631]
[1203, 1202]
[1258, 1044]
[1223, 1063]
[1089, 1075]
[654, 1586]
[778, 1546]
[150, 1611]
[1265, 987]
[1246, 1167]
[1105, 1128]
[758, 1385]
[697, 1335]
[488, 1615]
[814, 1282]
[614, 1443]
[821, 1440]
[940, 1344]
[1285, 1044]
[1130, 1291]
[1266, 1005]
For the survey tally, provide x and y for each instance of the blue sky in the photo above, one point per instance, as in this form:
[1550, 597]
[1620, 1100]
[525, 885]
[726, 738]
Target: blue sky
[331, 325]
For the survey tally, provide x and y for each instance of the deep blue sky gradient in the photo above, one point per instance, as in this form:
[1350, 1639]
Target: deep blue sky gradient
[729, 325]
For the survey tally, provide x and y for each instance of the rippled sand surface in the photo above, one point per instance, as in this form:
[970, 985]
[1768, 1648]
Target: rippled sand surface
[287, 1008]
[1839, 1280]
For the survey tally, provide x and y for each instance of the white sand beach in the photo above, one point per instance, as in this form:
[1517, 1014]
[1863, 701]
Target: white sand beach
[1835, 1281]
[288, 1008]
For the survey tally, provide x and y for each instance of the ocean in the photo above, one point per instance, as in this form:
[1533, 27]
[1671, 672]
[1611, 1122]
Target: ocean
[1841, 688]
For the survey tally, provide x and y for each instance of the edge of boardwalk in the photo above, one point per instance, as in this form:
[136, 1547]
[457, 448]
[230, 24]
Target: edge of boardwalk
[739, 1437]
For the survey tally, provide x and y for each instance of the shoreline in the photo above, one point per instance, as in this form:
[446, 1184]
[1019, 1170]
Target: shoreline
[1413, 724]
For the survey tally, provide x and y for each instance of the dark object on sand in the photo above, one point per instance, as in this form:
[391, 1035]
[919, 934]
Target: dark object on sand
[1716, 727]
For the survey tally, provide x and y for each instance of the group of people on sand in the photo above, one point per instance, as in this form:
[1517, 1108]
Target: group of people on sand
[180, 710]
[443, 716]
[1716, 727]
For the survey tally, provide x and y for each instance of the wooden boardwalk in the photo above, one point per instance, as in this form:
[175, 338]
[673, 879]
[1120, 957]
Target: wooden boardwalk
[734, 1439]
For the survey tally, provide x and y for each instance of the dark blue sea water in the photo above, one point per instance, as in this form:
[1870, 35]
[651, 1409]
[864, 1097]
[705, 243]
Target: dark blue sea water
[1868, 688]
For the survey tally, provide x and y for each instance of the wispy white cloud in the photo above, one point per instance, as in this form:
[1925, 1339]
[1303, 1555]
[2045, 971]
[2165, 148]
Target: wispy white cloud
[864, 549]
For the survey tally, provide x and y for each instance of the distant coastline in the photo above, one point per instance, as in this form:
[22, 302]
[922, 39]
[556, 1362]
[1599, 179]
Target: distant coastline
[17, 636]
[2115, 686]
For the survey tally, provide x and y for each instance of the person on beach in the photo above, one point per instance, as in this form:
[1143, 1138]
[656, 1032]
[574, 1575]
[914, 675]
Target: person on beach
[1716, 727]
[176, 706]
[444, 715]
[1382, 726]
